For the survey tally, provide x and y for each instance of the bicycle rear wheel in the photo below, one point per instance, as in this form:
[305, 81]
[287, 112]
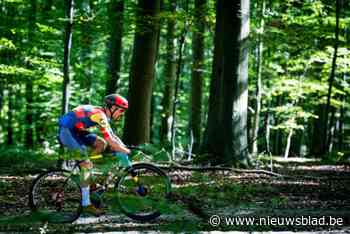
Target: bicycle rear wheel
[55, 196]
[143, 192]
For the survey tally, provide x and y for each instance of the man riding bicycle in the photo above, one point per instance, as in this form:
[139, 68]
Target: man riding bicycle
[74, 135]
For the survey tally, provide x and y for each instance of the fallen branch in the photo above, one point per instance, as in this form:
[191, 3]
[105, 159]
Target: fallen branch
[175, 166]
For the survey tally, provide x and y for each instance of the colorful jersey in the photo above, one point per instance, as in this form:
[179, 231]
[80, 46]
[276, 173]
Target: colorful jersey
[87, 116]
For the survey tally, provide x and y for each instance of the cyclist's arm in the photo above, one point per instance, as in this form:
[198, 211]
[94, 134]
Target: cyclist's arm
[117, 145]
[114, 142]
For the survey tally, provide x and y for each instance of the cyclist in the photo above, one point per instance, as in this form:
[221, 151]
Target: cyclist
[74, 134]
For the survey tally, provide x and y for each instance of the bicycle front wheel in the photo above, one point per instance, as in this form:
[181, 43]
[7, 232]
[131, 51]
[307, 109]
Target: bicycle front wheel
[143, 192]
[55, 196]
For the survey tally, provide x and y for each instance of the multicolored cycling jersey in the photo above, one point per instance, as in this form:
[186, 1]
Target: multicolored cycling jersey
[87, 116]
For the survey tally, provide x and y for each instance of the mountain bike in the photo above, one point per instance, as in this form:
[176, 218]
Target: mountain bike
[140, 191]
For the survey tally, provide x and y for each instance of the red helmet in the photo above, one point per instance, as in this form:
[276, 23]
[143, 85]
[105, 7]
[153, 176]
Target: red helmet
[116, 100]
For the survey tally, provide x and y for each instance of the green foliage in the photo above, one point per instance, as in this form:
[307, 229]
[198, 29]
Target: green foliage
[336, 157]
[6, 45]
[19, 160]
[15, 71]
[298, 42]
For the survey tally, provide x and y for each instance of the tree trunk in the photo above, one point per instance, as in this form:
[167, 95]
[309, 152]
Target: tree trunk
[29, 83]
[197, 72]
[267, 131]
[297, 143]
[116, 22]
[2, 120]
[258, 81]
[2, 89]
[289, 139]
[153, 112]
[226, 133]
[69, 11]
[137, 126]
[86, 41]
[317, 143]
[341, 119]
[42, 125]
[331, 131]
[240, 106]
[170, 74]
[341, 126]
[277, 134]
[331, 79]
[177, 82]
[10, 116]
[153, 97]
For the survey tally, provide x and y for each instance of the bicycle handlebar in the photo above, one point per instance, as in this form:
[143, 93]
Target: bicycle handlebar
[133, 147]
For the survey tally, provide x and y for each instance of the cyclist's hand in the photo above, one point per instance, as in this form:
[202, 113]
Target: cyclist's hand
[120, 148]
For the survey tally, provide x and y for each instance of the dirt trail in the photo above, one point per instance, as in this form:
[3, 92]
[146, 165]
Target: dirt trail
[324, 192]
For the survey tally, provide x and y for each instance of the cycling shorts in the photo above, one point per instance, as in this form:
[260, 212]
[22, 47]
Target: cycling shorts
[76, 139]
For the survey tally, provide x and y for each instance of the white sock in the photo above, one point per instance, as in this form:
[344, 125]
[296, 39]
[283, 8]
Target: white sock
[85, 196]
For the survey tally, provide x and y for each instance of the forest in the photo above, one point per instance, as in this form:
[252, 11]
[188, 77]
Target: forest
[243, 103]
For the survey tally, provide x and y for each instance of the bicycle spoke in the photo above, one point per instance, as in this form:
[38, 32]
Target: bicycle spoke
[143, 192]
[56, 197]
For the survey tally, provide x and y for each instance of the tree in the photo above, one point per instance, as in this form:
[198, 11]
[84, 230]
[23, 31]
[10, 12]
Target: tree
[69, 11]
[331, 81]
[137, 125]
[116, 22]
[10, 116]
[197, 72]
[259, 60]
[29, 82]
[169, 77]
[86, 41]
[226, 132]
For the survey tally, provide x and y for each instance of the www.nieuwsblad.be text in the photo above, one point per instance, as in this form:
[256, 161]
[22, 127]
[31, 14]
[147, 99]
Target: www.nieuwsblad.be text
[216, 220]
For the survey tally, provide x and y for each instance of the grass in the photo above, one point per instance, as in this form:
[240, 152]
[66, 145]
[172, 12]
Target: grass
[21, 161]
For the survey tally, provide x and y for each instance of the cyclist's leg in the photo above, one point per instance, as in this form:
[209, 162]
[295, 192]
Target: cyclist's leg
[69, 139]
[73, 140]
[88, 139]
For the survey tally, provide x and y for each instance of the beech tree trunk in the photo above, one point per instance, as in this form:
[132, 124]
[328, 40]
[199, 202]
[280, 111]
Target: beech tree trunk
[42, 125]
[331, 81]
[331, 131]
[86, 41]
[69, 11]
[317, 144]
[169, 76]
[2, 89]
[197, 72]
[340, 128]
[10, 115]
[277, 134]
[29, 83]
[137, 125]
[226, 133]
[116, 22]
[267, 130]
[258, 81]
[289, 139]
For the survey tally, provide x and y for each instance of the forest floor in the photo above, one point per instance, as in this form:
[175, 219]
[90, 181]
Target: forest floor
[312, 192]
